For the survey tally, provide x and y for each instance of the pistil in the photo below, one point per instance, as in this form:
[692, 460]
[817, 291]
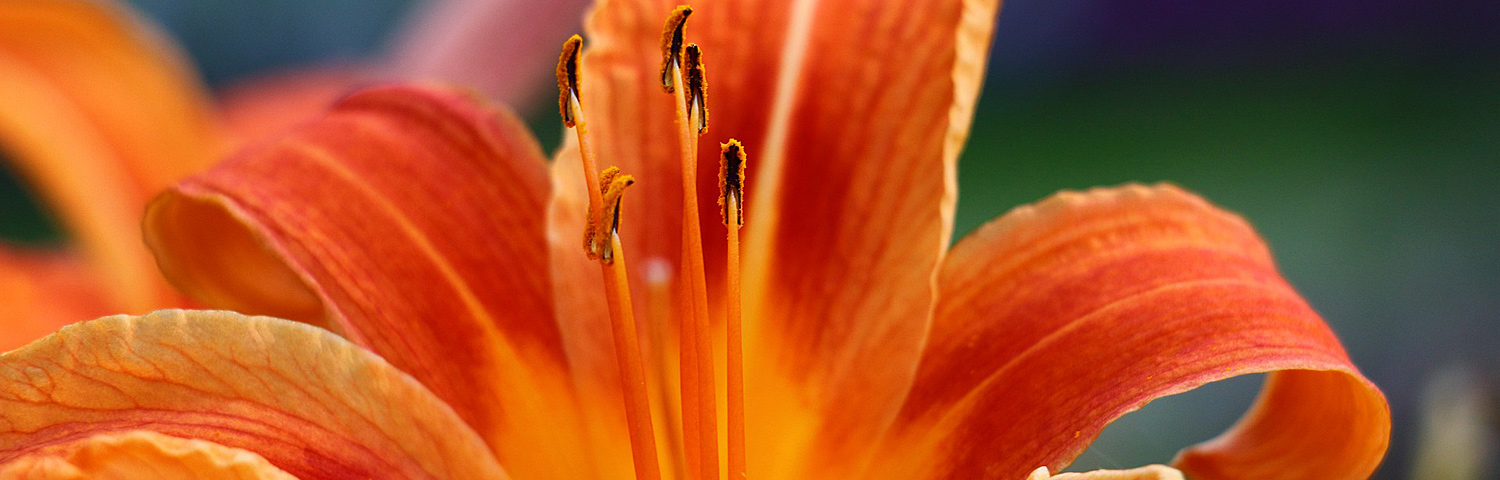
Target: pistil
[695, 333]
[602, 242]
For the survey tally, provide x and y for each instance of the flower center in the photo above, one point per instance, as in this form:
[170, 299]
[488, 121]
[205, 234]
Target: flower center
[681, 67]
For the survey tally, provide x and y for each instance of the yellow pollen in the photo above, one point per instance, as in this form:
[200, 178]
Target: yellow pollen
[731, 182]
[567, 78]
[610, 224]
[697, 85]
[671, 45]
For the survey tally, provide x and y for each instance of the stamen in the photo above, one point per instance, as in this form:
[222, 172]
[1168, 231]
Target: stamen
[572, 115]
[697, 86]
[695, 335]
[671, 45]
[731, 188]
[622, 323]
[603, 243]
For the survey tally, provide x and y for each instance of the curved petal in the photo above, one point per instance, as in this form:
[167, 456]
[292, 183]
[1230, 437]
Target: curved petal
[409, 220]
[1058, 318]
[141, 454]
[42, 291]
[309, 402]
[99, 114]
[851, 179]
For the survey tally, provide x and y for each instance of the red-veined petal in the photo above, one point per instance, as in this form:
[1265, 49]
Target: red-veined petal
[409, 220]
[307, 401]
[1058, 318]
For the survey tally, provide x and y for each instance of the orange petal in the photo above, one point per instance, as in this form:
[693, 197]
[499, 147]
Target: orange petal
[42, 291]
[308, 402]
[1060, 317]
[100, 113]
[141, 454]
[409, 220]
[851, 185]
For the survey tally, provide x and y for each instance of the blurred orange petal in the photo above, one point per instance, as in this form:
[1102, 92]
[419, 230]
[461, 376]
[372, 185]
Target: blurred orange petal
[265, 106]
[141, 454]
[409, 220]
[504, 48]
[1060, 317]
[44, 290]
[100, 113]
[305, 400]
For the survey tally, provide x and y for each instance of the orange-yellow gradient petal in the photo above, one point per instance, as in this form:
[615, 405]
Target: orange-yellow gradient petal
[141, 454]
[411, 221]
[99, 114]
[1058, 318]
[851, 191]
[305, 400]
[43, 291]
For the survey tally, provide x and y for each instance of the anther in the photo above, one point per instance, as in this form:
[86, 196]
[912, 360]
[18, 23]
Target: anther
[697, 85]
[595, 237]
[671, 45]
[732, 182]
[609, 224]
[567, 78]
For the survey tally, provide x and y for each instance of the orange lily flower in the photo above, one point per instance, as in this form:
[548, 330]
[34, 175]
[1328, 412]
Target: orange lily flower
[456, 327]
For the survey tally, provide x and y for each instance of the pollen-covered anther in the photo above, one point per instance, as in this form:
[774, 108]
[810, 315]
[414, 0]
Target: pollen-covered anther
[732, 182]
[595, 242]
[671, 45]
[613, 189]
[697, 85]
[567, 79]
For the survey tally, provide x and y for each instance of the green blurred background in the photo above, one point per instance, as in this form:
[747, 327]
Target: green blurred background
[1359, 137]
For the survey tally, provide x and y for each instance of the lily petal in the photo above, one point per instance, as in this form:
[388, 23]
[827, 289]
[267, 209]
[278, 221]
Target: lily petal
[409, 220]
[1058, 318]
[44, 291]
[309, 402]
[142, 454]
[99, 114]
[837, 295]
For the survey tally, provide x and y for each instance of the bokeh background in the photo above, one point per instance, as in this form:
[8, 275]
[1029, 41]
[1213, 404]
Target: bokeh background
[1359, 137]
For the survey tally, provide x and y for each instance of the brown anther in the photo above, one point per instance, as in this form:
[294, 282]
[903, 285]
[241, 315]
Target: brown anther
[610, 224]
[567, 78]
[697, 85]
[594, 243]
[732, 182]
[671, 44]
